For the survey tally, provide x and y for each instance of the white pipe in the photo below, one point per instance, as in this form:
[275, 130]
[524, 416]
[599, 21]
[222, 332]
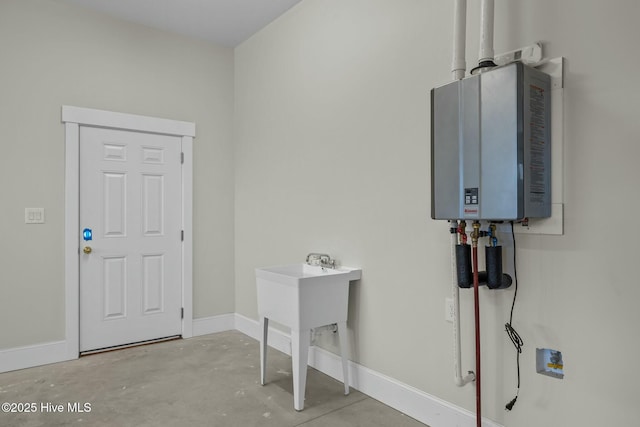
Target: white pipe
[458, 64]
[455, 291]
[486, 31]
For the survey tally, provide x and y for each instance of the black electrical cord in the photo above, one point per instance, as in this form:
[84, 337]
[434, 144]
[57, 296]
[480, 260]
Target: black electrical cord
[513, 335]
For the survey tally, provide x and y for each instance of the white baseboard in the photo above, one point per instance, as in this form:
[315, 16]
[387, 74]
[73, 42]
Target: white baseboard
[30, 356]
[233, 321]
[415, 403]
[277, 339]
[213, 324]
[33, 355]
[409, 400]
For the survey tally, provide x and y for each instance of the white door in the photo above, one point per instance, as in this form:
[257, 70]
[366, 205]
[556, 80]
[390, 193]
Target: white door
[130, 209]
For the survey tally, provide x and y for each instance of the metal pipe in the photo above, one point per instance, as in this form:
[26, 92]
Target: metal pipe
[455, 291]
[476, 301]
[486, 31]
[458, 64]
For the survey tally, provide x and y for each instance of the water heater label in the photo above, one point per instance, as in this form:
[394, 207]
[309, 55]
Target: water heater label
[537, 148]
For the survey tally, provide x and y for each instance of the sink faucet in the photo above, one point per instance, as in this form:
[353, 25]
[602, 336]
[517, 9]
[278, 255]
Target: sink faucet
[323, 260]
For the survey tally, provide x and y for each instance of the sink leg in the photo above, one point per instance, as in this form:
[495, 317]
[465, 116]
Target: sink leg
[342, 335]
[264, 332]
[299, 358]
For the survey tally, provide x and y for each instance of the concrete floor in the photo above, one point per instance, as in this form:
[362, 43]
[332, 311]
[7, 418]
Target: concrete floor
[212, 380]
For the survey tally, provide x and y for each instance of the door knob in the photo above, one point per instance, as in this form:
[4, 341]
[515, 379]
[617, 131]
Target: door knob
[87, 249]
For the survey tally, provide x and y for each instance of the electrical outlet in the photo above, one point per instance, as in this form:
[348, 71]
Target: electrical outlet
[448, 309]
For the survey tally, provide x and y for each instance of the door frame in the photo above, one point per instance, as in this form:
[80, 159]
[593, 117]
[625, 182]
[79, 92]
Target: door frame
[73, 118]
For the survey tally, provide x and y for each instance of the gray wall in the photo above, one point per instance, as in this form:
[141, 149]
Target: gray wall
[53, 55]
[332, 154]
[330, 147]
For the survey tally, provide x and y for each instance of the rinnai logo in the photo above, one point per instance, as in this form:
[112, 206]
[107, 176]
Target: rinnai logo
[471, 211]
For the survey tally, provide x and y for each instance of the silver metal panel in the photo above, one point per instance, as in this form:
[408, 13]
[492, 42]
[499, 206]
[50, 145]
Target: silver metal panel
[445, 156]
[501, 154]
[490, 146]
[469, 168]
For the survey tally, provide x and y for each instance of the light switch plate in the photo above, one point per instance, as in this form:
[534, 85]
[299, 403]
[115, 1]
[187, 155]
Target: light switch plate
[34, 215]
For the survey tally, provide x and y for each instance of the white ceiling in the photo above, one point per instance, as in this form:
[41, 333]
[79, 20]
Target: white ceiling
[225, 22]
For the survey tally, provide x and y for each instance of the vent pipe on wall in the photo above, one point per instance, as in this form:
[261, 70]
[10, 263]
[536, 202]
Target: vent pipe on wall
[486, 54]
[458, 64]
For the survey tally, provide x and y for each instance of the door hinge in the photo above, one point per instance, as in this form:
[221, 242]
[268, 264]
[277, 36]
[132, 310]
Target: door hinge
[182, 158]
[182, 313]
[182, 235]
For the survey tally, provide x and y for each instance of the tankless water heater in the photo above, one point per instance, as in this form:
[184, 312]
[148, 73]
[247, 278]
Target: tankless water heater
[491, 146]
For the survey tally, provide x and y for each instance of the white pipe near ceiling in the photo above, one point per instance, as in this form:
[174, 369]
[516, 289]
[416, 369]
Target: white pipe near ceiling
[458, 64]
[486, 31]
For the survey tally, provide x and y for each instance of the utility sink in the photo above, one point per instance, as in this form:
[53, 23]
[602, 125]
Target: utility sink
[306, 271]
[303, 297]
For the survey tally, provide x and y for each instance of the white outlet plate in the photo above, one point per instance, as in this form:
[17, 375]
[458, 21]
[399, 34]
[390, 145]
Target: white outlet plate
[34, 215]
[448, 309]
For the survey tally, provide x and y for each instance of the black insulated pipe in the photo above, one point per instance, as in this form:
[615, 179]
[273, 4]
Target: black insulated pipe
[464, 270]
[495, 278]
[463, 266]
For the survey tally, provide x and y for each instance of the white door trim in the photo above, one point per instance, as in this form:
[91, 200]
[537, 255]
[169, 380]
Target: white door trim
[73, 118]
